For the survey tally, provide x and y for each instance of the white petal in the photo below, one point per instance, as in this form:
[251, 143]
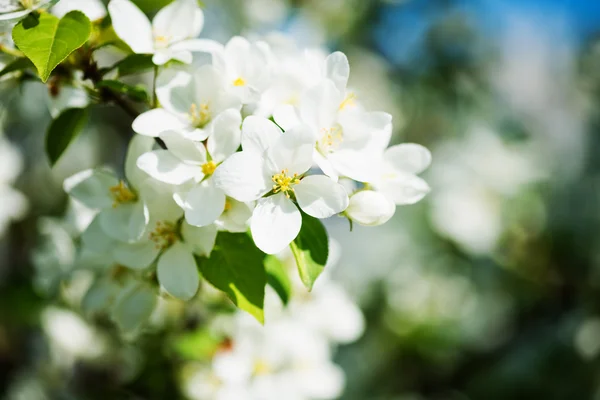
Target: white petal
[131, 25]
[201, 240]
[320, 104]
[125, 222]
[198, 45]
[404, 188]
[95, 239]
[258, 134]
[204, 204]
[175, 90]
[137, 255]
[360, 166]
[325, 165]
[357, 124]
[154, 122]
[133, 306]
[226, 135]
[188, 151]
[93, 9]
[370, 208]
[92, 187]
[177, 272]
[276, 221]
[137, 146]
[286, 116]
[236, 216]
[158, 197]
[162, 56]
[320, 196]
[409, 157]
[164, 166]
[243, 176]
[175, 22]
[293, 151]
[337, 69]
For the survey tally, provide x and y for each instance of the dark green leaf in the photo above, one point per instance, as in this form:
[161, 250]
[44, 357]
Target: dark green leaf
[47, 41]
[278, 278]
[17, 65]
[137, 93]
[236, 267]
[310, 249]
[134, 64]
[63, 130]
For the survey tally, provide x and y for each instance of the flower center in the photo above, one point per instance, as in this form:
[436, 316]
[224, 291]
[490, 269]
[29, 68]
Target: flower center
[122, 194]
[330, 139]
[261, 367]
[239, 82]
[164, 234]
[161, 41]
[209, 167]
[283, 183]
[349, 101]
[199, 115]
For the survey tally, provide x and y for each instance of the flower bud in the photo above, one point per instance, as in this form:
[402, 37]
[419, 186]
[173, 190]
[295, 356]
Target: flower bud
[370, 208]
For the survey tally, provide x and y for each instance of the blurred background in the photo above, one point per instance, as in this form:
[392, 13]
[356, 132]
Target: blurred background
[487, 289]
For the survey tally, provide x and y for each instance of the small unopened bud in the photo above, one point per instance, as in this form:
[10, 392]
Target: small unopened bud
[370, 208]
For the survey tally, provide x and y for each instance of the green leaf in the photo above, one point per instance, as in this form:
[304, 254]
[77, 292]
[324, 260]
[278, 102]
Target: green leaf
[197, 345]
[47, 41]
[236, 268]
[278, 278]
[310, 249]
[137, 93]
[63, 130]
[134, 64]
[17, 65]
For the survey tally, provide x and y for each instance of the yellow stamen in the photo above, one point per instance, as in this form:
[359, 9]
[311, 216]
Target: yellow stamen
[164, 234]
[199, 115]
[239, 82]
[228, 205]
[161, 41]
[349, 101]
[283, 183]
[122, 194]
[209, 167]
[261, 367]
[330, 139]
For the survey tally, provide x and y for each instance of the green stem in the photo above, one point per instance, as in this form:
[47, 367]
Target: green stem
[12, 52]
[154, 99]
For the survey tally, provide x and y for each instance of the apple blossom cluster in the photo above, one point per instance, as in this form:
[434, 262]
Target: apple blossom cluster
[261, 138]
[288, 358]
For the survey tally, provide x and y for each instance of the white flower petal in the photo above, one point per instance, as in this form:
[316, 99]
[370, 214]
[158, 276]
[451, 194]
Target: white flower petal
[258, 134]
[404, 188]
[177, 272]
[198, 45]
[176, 92]
[164, 166]
[286, 116]
[320, 104]
[408, 157]
[188, 151]
[125, 222]
[226, 135]
[236, 216]
[132, 26]
[320, 196]
[95, 239]
[354, 164]
[158, 197]
[357, 124]
[92, 187]
[276, 221]
[201, 240]
[93, 9]
[137, 255]
[325, 165]
[204, 204]
[293, 151]
[370, 208]
[154, 122]
[243, 176]
[137, 146]
[176, 21]
[337, 69]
